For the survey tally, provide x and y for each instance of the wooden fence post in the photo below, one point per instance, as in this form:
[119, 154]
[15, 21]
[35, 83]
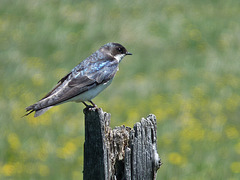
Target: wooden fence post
[121, 153]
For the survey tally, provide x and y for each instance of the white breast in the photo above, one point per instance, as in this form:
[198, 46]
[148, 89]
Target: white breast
[90, 94]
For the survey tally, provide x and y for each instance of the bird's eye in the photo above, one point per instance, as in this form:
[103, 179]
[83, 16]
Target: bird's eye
[120, 50]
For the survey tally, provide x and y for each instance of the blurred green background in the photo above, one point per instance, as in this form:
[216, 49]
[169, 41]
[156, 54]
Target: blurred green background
[185, 69]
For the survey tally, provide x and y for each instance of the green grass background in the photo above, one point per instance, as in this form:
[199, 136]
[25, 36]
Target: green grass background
[184, 69]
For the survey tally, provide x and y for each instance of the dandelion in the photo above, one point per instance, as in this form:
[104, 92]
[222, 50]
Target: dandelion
[232, 133]
[232, 103]
[67, 151]
[176, 158]
[235, 167]
[43, 170]
[13, 141]
[8, 169]
[42, 153]
[34, 62]
[193, 133]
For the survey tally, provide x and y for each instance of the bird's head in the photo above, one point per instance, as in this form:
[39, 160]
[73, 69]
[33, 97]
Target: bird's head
[115, 50]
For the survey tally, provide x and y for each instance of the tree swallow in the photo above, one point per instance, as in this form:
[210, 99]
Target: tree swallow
[85, 81]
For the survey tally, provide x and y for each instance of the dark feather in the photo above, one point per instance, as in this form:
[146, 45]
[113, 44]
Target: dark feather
[80, 82]
[58, 84]
[96, 69]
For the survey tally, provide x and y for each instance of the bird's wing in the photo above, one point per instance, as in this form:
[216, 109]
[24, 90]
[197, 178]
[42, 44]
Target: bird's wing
[73, 88]
[58, 85]
[63, 91]
[68, 88]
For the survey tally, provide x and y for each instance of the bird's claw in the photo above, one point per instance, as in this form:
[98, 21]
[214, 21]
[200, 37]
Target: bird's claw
[90, 106]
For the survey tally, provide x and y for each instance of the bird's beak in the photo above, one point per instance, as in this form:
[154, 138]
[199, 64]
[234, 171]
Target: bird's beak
[128, 53]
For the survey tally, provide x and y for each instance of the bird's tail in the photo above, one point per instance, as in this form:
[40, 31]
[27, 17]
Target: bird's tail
[38, 112]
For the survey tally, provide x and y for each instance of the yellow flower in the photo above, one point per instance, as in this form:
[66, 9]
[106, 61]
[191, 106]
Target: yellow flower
[193, 133]
[232, 103]
[43, 170]
[13, 141]
[67, 151]
[8, 169]
[42, 152]
[235, 167]
[232, 133]
[176, 158]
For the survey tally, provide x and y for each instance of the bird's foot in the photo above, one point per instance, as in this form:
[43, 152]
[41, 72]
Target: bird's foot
[87, 106]
[94, 105]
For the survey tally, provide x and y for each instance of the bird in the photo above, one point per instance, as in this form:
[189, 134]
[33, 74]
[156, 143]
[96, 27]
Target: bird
[85, 81]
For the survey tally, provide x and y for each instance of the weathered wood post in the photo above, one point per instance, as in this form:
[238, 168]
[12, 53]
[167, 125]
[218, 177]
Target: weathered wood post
[120, 153]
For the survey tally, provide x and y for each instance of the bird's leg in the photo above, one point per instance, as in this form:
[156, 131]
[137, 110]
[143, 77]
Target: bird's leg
[93, 103]
[85, 104]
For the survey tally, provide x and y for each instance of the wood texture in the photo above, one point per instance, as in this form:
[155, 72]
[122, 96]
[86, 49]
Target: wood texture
[122, 152]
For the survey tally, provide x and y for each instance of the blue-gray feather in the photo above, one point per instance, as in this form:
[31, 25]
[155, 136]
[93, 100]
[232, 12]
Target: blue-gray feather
[97, 69]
